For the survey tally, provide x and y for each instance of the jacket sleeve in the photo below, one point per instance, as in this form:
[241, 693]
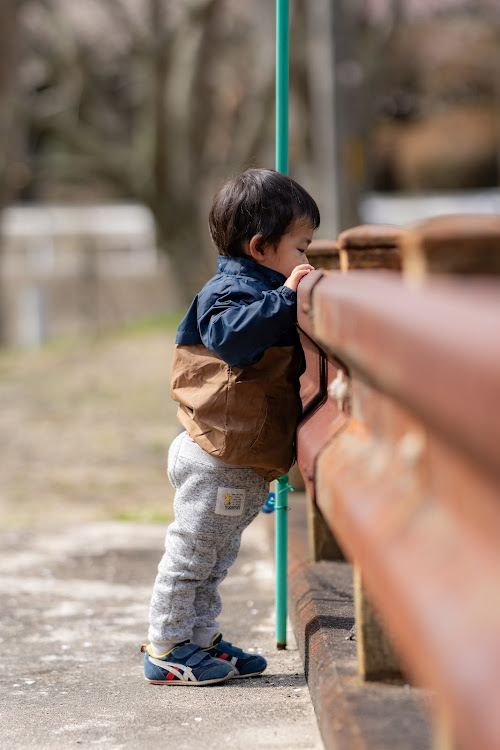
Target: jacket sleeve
[239, 328]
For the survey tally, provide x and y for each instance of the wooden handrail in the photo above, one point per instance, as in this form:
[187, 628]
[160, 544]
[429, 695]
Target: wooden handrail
[400, 451]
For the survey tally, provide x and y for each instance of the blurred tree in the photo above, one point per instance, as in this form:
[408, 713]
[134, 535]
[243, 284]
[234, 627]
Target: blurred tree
[151, 101]
[433, 71]
[9, 13]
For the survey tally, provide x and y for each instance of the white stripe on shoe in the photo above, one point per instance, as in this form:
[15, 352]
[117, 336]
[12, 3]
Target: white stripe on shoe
[178, 670]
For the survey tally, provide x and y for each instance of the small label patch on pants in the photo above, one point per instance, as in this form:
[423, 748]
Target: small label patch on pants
[230, 501]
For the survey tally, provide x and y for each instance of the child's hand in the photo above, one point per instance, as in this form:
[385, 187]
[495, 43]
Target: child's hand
[297, 274]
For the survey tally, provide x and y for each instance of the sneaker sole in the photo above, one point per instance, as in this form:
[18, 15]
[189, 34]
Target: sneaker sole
[190, 683]
[237, 676]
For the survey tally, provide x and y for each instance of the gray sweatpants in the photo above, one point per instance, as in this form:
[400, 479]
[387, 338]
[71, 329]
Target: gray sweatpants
[214, 503]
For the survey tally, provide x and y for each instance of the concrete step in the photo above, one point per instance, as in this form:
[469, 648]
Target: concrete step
[352, 714]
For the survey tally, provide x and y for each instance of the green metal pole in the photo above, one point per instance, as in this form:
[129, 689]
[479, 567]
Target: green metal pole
[281, 507]
[281, 553]
[282, 56]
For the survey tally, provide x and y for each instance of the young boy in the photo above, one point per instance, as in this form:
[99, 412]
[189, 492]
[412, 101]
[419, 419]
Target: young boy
[235, 376]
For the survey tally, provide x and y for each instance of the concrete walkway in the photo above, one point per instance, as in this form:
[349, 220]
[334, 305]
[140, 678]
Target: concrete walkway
[73, 612]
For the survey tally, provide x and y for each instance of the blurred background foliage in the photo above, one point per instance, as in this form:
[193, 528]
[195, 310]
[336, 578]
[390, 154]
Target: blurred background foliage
[116, 111]
[157, 101]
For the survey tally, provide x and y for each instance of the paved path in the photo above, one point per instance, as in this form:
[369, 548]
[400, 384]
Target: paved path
[73, 609]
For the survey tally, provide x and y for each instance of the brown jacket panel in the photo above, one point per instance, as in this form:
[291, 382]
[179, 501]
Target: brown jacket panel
[245, 417]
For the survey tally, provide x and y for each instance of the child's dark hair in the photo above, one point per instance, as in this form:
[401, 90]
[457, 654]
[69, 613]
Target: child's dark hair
[258, 202]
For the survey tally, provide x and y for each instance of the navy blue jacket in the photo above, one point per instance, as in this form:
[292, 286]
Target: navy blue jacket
[241, 312]
[236, 368]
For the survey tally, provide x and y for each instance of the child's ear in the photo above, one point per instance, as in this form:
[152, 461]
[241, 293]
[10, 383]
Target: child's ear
[257, 248]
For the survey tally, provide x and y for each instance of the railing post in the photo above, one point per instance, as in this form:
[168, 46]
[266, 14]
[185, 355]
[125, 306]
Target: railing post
[322, 543]
[376, 657]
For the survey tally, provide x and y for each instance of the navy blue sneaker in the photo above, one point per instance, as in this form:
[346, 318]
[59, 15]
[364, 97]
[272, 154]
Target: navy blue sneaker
[243, 664]
[185, 664]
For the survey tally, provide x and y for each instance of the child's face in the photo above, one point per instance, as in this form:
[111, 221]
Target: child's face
[290, 251]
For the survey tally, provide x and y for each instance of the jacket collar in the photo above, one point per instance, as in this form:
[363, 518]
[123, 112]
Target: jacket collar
[249, 267]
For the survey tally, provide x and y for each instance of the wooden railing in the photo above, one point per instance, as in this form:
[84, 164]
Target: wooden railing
[399, 448]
